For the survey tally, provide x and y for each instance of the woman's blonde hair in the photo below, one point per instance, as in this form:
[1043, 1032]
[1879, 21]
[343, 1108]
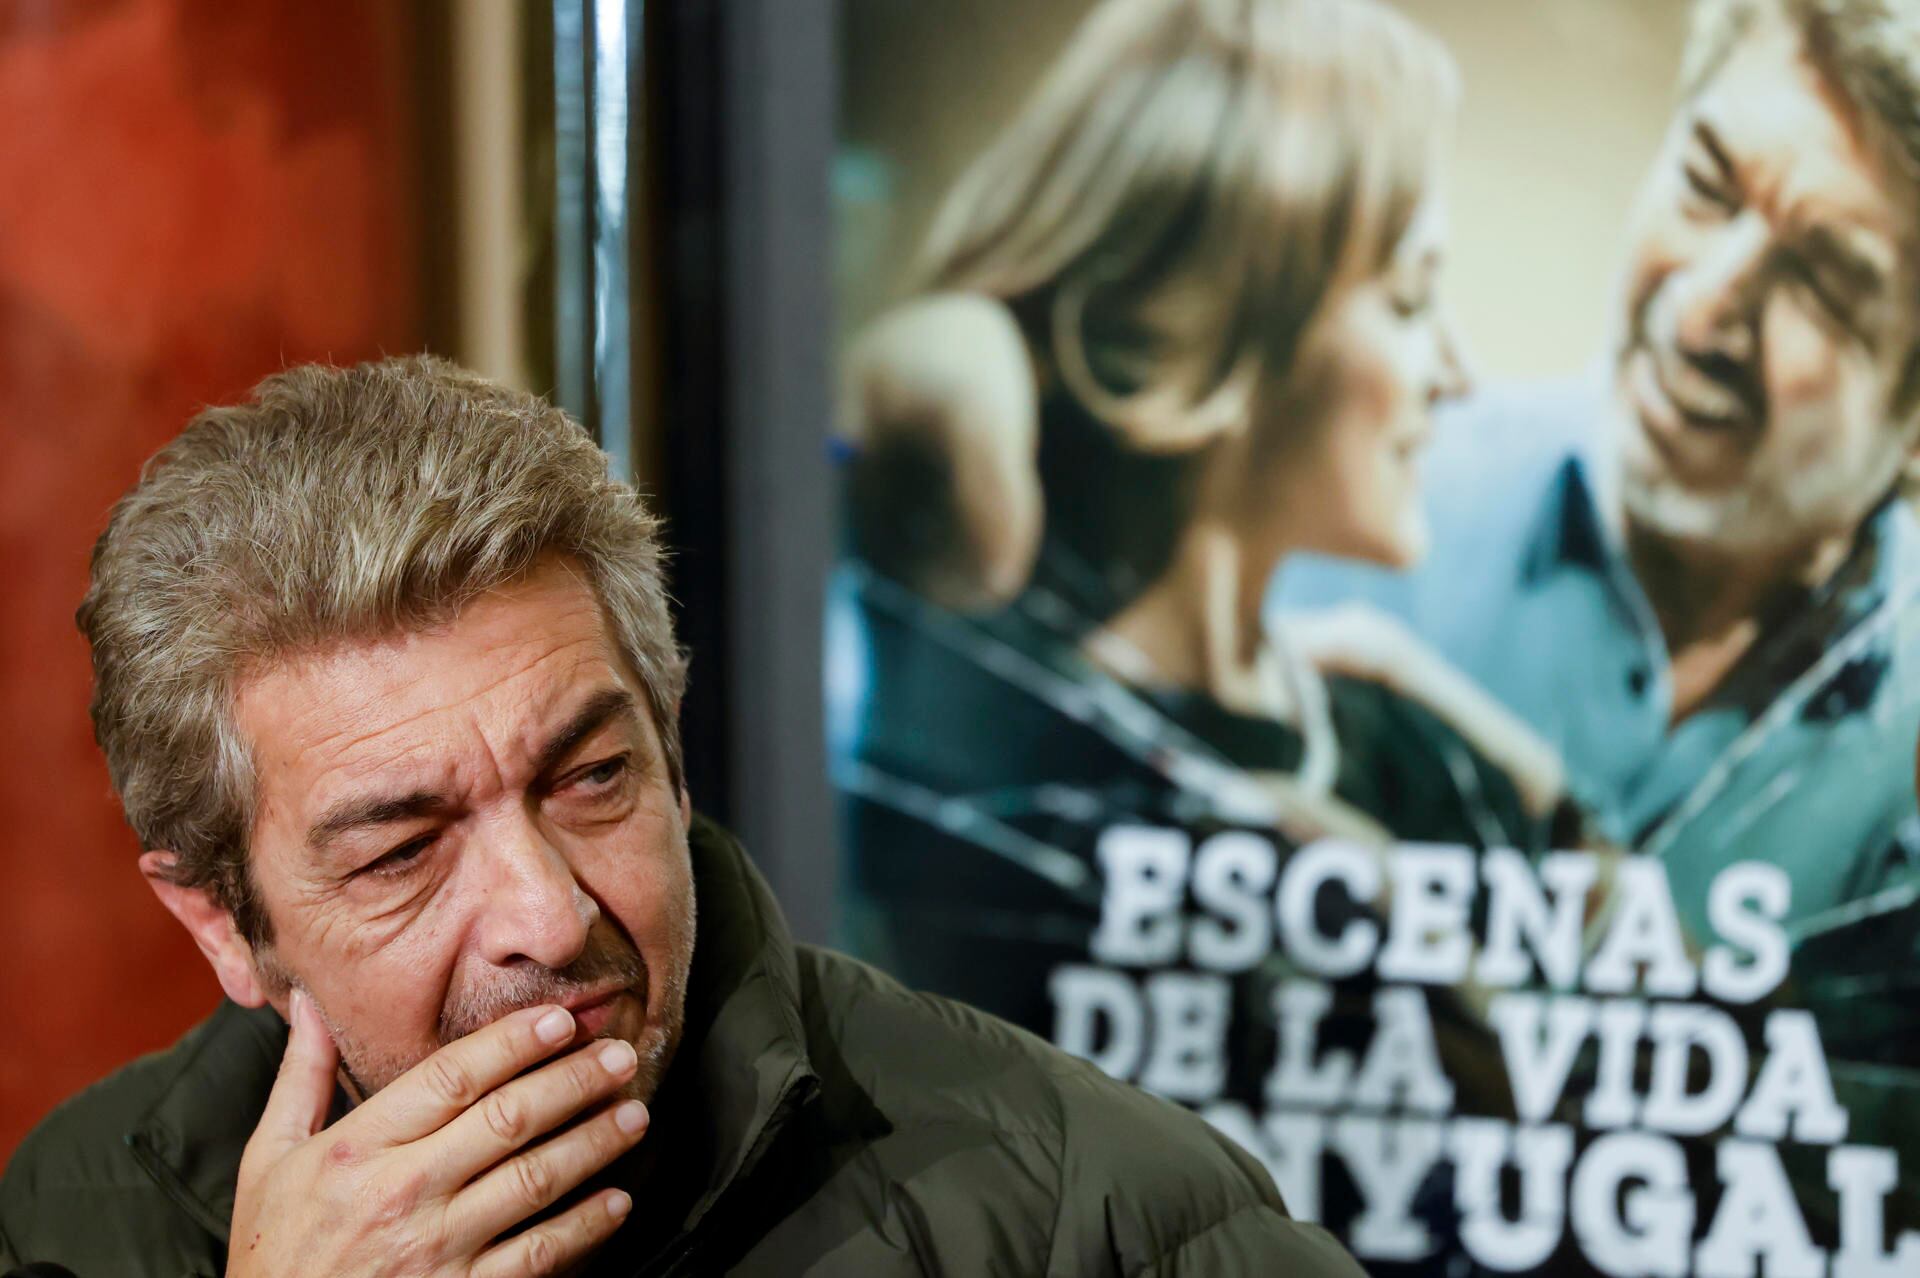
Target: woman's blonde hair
[1187, 186]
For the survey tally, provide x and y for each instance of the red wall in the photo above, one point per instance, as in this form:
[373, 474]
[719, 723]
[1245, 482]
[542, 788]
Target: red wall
[192, 192]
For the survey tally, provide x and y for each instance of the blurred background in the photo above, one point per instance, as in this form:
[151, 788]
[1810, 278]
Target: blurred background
[665, 215]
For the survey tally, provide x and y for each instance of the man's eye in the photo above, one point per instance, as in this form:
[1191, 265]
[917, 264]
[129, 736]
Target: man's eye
[1838, 304]
[1828, 298]
[602, 774]
[400, 859]
[1709, 188]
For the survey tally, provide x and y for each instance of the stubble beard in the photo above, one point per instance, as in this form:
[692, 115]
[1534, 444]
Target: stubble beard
[611, 960]
[1762, 516]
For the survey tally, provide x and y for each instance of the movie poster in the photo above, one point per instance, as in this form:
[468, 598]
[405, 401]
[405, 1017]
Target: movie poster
[1378, 595]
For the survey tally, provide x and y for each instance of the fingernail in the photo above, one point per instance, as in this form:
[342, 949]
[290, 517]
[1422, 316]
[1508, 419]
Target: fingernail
[619, 1205]
[617, 1057]
[555, 1027]
[296, 1004]
[630, 1116]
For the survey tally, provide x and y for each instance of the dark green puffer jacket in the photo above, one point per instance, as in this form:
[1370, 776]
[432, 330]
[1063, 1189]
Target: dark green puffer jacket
[818, 1119]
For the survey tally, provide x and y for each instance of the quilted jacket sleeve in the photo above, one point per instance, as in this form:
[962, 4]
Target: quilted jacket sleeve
[1149, 1189]
[1256, 1240]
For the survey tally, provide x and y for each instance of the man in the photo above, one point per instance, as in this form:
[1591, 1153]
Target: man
[387, 686]
[1695, 574]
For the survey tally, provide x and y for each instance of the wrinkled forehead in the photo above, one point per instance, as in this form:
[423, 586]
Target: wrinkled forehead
[1793, 138]
[437, 707]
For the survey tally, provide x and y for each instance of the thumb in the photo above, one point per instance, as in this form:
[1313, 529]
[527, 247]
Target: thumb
[303, 1091]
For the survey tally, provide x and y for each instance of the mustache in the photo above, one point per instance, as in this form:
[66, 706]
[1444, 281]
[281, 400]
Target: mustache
[609, 962]
[1674, 364]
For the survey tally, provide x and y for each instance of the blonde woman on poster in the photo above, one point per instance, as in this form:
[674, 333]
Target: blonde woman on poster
[1188, 337]
[1177, 324]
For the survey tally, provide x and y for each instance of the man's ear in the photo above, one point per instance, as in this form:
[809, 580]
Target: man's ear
[212, 930]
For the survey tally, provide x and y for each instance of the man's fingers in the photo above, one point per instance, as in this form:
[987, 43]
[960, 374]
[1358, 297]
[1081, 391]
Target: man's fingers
[303, 1091]
[559, 1242]
[524, 1186]
[443, 1086]
[515, 1114]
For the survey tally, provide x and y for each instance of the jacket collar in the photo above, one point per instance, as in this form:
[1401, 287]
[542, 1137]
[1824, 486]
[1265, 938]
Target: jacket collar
[742, 1054]
[191, 1139]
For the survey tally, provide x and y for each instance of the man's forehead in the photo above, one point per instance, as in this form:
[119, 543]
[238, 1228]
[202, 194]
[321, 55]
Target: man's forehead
[496, 679]
[1812, 144]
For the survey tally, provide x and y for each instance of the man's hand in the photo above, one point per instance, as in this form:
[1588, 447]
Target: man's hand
[425, 1177]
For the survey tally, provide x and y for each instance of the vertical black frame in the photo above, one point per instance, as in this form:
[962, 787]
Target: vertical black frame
[730, 127]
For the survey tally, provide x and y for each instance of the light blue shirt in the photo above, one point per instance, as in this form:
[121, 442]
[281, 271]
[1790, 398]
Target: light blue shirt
[1805, 755]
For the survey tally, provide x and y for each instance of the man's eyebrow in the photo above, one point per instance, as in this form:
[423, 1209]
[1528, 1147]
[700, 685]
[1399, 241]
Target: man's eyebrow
[1709, 138]
[351, 814]
[1838, 253]
[1833, 250]
[600, 709]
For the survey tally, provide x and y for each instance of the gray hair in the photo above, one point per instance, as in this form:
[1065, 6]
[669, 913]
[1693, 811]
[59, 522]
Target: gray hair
[336, 504]
[1868, 50]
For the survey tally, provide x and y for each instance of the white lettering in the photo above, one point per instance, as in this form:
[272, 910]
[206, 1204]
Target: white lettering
[1355, 867]
[1429, 941]
[1187, 1059]
[1794, 1087]
[1768, 891]
[1300, 1007]
[1518, 910]
[1480, 1147]
[1678, 1030]
[1863, 1178]
[1644, 931]
[1631, 1206]
[1231, 874]
[1539, 1059]
[1612, 1102]
[1757, 1225]
[1389, 1161]
[1146, 877]
[1098, 1017]
[1401, 1061]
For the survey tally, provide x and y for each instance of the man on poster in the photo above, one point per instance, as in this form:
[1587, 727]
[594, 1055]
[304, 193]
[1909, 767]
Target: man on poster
[1695, 573]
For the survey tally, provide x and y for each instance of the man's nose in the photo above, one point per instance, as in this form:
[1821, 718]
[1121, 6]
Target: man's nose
[534, 907]
[1717, 295]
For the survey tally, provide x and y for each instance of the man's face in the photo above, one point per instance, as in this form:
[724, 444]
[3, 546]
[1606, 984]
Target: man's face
[1769, 315]
[455, 824]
